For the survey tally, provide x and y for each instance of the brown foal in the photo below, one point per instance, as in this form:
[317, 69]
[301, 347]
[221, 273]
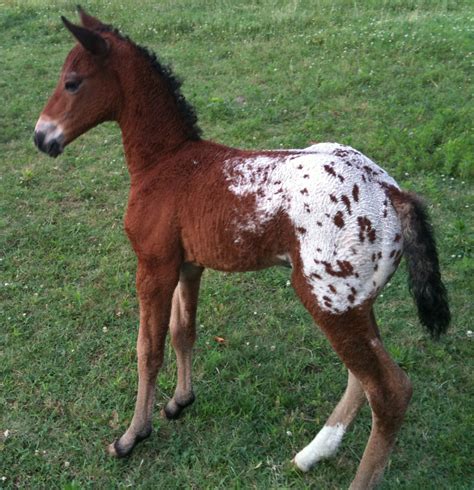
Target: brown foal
[336, 218]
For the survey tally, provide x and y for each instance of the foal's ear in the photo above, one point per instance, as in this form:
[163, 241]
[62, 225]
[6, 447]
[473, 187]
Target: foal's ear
[90, 40]
[87, 20]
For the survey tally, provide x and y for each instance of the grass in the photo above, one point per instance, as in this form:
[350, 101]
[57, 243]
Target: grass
[391, 78]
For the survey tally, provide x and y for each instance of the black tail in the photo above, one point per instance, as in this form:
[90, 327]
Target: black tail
[424, 278]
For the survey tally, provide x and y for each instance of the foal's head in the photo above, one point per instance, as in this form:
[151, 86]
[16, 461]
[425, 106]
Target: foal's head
[88, 91]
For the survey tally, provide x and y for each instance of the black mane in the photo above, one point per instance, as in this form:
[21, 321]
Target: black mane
[172, 82]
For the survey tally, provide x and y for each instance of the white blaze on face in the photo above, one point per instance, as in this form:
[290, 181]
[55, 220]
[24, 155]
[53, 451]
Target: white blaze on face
[323, 446]
[345, 225]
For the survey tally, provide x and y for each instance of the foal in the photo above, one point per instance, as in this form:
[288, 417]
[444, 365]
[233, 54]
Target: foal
[330, 213]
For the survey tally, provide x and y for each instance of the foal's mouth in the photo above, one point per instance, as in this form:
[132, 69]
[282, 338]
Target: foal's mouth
[49, 138]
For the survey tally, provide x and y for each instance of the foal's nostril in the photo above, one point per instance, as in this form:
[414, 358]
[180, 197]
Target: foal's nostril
[39, 139]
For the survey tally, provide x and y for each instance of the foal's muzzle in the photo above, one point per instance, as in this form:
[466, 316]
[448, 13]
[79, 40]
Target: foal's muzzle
[49, 138]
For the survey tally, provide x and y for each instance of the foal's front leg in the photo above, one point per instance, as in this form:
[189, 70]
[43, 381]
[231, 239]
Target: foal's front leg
[183, 336]
[155, 285]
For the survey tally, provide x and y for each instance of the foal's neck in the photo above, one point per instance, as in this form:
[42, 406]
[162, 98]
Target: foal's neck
[150, 121]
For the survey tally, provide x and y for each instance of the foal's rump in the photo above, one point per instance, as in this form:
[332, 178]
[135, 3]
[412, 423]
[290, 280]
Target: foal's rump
[337, 221]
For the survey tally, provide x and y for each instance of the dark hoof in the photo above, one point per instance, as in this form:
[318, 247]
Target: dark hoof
[173, 409]
[116, 450]
[119, 451]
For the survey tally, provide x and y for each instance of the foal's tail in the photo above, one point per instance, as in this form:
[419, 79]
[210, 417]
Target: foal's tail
[424, 278]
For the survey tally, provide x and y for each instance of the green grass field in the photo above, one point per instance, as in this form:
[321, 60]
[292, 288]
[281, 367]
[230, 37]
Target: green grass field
[391, 78]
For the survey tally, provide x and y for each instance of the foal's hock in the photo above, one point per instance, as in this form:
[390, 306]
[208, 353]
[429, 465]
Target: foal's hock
[336, 218]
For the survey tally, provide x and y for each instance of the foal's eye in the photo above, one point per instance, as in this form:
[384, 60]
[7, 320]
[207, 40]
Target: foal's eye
[72, 85]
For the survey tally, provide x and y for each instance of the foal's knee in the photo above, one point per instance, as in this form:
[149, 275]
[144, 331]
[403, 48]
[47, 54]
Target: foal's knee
[183, 336]
[150, 358]
[389, 401]
[182, 327]
[403, 391]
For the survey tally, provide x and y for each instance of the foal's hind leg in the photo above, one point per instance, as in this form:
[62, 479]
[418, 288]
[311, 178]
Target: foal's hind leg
[183, 336]
[328, 439]
[354, 336]
[388, 389]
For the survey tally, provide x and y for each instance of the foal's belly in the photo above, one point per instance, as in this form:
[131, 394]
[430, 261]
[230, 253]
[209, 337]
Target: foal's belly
[230, 250]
